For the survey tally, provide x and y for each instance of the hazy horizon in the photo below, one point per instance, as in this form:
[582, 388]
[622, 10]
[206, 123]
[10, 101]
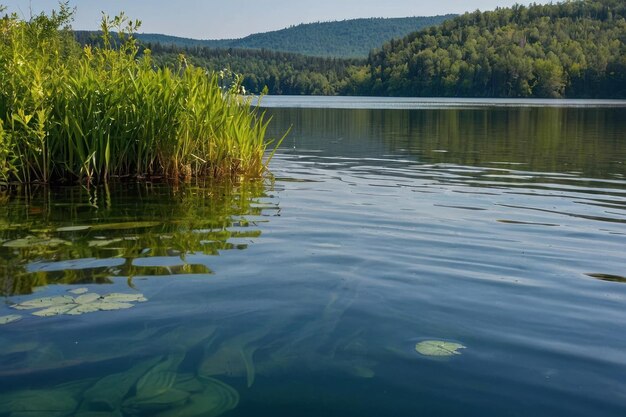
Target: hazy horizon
[239, 18]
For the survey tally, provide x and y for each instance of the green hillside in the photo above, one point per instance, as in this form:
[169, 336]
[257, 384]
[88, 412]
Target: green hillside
[571, 49]
[348, 38]
[276, 72]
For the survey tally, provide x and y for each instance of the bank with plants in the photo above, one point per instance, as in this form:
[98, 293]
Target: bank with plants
[82, 114]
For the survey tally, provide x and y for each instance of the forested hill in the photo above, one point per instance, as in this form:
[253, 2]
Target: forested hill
[571, 49]
[348, 38]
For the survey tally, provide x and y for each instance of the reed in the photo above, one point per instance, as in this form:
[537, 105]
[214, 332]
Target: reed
[88, 114]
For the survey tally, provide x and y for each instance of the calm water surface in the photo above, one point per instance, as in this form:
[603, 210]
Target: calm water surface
[499, 228]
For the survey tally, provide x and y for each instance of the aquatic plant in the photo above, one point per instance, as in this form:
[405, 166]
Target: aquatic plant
[438, 348]
[10, 318]
[83, 303]
[151, 387]
[90, 114]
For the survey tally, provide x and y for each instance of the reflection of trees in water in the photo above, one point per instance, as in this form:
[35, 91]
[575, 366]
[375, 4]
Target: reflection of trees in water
[148, 229]
[586, 140]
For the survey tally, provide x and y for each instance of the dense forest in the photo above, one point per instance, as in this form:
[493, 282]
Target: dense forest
[352, 38]
[274, 72]
[571, 49]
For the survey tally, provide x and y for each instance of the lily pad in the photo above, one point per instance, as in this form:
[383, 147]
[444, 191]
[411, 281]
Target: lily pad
[78, 309]
[54, 310]
[438, 348]
[106, 306]
[87, 298]
[79, 291]
[123, 298]
[10, 318]
[44, 302]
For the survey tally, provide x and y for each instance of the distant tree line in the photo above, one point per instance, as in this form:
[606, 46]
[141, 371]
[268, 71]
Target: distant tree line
[274, 72]
[352, 38]
[570, 49]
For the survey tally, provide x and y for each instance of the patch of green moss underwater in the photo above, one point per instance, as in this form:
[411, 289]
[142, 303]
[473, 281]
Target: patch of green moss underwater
[72, 114]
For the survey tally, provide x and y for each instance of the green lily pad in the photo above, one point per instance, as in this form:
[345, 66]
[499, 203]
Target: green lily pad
[44, 302]
[438, 348]
[54, 310]
[78, 291]
[72, 228]
[10, 318]
[87, 298]
[107, 306]
[123, 298]
[78, 309]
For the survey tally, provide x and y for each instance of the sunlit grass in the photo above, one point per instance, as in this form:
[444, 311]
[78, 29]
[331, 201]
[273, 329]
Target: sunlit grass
[71, 114]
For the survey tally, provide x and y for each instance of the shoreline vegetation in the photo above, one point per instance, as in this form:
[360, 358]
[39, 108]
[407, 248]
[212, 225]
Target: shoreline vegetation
[571, 49]
[88, 114]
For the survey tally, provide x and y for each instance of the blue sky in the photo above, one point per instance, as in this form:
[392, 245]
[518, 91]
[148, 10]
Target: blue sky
[212, 19]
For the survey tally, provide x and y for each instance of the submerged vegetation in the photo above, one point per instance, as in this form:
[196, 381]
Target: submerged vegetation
[88, 114]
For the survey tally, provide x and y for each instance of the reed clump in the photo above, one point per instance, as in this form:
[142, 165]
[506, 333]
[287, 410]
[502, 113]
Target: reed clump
[88, 114]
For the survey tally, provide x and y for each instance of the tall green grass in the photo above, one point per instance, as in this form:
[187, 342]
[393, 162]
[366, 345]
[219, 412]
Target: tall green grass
[88, 114]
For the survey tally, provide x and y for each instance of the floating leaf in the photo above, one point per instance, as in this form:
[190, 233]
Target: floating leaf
[438, 348]
[87, 298]
[106, 306]
[10, 318]
[123, 298]
[54, 310]
[78, 309]
[72, 228]
[79, 291]
[44, 302]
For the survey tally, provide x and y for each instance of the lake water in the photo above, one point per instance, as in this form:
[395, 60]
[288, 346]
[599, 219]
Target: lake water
[498, 228]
